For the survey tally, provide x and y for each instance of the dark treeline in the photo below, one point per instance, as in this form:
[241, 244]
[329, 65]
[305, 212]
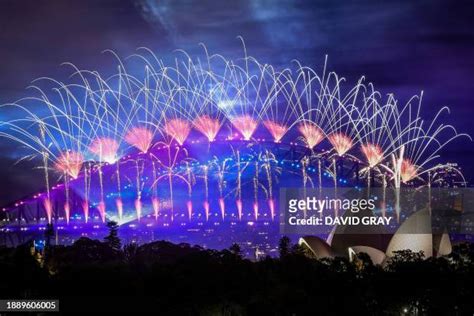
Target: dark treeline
[170, 279]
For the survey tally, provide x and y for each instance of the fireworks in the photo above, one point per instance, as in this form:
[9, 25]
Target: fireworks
[239, 208]
[85, 210]
[140, 137]
[408, 170]
[222, 207]
[189, 206]
[276, 130]
[340, 142]
[93, 115]
[373, 154]
[67, 211]
[105, 149]
[119, 205]
[245, 124]
[156, 207]
[138, 208]
[206, 209]
[102, 210]
[178, 129]
[311, 133]
[48, 209]
[70, 162]
[271, 206]
[208, 126]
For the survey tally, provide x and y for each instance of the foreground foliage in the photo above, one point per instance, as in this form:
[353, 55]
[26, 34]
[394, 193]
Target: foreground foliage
[188, 280]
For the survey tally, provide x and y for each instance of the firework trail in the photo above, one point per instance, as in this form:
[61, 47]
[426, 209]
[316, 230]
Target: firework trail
[47, 202]
[417, 143]
[168, 164]
[221, 171]
[375, 133]
[139, 186]
[279, 113]
[205, 170]
[241, 166]
[69, 164]
[255, 190]
[118, 200]
[140, 138]
[191, 181]
[87, 185]
[106, 150]
[268, 159]
[154, 199]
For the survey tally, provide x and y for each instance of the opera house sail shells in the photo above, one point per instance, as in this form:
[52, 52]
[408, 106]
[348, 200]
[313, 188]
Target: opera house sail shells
[196, 151]
[380, 247]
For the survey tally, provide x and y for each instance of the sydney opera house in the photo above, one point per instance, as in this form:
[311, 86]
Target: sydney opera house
[381, 247]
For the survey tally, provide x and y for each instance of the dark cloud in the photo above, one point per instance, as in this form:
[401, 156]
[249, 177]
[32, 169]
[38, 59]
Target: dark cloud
[19, 180]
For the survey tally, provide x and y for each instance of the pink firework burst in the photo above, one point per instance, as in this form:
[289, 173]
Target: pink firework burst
[245, 124]
[67, 211]
[341, 143]
[312, 134]
[48, 206]
[408, 171]
[189, 206]
[239, 208]
[138, 208]
[206, 209]
[105, 148]
[140, 137]
[373, 154]
[101, 207]
[119, 204]
[222, 207]
[207, 126]
[255, 210]
[271, 206]
[70, 162]
[276, 130]
[85, 209]
[178, 129]
[156, 207]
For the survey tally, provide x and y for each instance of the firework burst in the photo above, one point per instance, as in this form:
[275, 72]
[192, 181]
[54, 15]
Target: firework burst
[105, 149]
[341, 143]
[312, 134]
[178, 129]
[276, 130]
[408, 171]
[245, 124]
[70, 163]
[372, 153]
[208, 126]
[140, 137]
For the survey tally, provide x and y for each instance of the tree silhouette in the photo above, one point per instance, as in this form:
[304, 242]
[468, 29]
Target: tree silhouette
[298, 250]
[130, 252]
[284, 246]
[236, 250]
[113, 239]
[222, 283]
[48, 234]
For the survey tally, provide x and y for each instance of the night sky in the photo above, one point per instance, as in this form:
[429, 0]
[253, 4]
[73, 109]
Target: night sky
[402, 46]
